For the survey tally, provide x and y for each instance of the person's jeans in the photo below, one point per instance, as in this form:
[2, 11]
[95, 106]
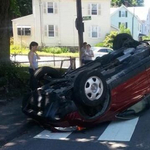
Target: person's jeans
[33, 81]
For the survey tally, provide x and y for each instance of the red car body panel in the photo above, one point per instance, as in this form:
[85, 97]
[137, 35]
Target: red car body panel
[123, 96]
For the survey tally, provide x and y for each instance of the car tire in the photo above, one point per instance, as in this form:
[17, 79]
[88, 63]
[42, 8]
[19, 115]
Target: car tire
[45, 71]
[120, 39]
[90, 88]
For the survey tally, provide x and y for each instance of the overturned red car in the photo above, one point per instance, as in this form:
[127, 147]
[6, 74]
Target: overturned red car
[114, 86]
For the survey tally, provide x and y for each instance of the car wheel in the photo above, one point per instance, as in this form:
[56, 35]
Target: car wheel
[120, 39]
[90, 88]
[44, 74]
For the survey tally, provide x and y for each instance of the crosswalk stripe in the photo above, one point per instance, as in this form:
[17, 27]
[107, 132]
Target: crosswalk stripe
[50, 135]
[115, 131]
[119, 130]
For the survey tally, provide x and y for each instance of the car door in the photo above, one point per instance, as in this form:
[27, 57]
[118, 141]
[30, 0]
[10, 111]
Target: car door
[102, 52]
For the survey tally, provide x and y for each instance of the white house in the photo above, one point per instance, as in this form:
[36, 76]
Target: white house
[53, 23]
[137, 19]
[122, 15]
[143, 14]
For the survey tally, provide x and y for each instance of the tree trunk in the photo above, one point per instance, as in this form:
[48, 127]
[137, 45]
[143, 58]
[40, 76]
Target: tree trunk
[4, 30]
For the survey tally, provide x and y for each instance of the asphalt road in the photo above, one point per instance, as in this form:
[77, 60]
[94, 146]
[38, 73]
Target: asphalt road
[34, 138]
[121, 135]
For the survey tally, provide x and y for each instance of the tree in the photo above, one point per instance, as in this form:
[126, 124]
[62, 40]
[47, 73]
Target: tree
[4, 30]
[108, 41]
[146, 37]
[124, 30]
[24, 7]
[7, 9]
[20, 8]
[127, 2]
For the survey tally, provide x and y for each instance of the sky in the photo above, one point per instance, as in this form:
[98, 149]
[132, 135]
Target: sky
[147, 3]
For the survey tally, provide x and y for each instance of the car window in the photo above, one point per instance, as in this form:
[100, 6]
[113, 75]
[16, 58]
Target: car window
[102, 50]
[109, 50]
[94, 48]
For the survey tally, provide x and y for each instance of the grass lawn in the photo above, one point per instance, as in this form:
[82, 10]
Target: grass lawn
[18, 50]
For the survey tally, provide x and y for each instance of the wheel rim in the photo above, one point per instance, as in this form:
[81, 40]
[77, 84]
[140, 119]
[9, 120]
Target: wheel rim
[93, 88]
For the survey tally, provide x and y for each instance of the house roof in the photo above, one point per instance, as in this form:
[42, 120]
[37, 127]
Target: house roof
[116, 28]
[113, 10]
[139, 12]
[22, 17]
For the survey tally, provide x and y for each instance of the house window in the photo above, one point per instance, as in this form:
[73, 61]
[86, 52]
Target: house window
[139, 26]
[50, 7]
[126, 13]
[119, 24]
[24, 30]
[95, 32]
[51, 30]
[125, 24]
[94, 9]
[123, 13]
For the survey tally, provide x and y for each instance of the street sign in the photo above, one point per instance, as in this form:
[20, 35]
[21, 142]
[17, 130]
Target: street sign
[86, 18]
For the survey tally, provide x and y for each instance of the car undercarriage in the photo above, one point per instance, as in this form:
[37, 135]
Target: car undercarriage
[105, 89]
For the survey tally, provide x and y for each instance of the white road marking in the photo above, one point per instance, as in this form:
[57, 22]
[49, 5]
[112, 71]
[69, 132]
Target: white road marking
[50, 135]
[119, 130]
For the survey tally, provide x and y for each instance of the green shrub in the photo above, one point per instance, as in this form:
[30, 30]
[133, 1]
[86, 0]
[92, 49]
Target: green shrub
[11, 41]
[13, 78]
[146, 37]
[17, 49]
[55, 50]
[108, 42]
[100, 44]
[123, 29]
[65, 50]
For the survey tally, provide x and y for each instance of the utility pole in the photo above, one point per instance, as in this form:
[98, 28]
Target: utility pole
[133, 22]
[80, 27]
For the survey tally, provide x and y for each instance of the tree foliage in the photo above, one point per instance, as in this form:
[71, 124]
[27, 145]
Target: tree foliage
[14, 8]
[4, 30]
[8, 10]
[122, 29]
[146, 37]
[24, 7]
[108, 41]
[127, 2]
[20, 8]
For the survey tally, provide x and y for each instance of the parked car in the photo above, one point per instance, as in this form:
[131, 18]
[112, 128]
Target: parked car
[112, 86]
[100, 51]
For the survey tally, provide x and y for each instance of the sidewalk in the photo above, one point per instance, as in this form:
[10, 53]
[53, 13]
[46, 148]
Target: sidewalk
[12, 121]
